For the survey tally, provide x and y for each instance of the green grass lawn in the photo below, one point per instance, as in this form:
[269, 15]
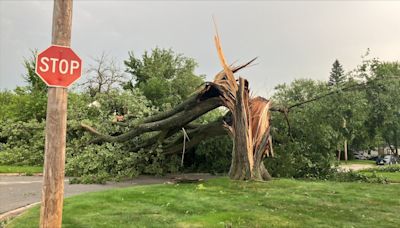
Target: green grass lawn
[391, 173]
[20, 169]
[391, 177]
[355, 161]
[224, 203]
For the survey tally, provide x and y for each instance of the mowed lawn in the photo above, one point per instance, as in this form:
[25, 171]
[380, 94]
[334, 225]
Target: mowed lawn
[357, 162]
[392, 176]
[224, 203]
[20, 169]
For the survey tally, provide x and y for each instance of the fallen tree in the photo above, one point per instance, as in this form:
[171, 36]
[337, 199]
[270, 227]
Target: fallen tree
[247, 123]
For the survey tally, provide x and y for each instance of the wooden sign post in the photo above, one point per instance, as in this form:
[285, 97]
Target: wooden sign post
[56, 119]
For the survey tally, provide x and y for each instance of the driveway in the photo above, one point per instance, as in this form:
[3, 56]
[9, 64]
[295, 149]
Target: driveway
[19, 191]
[355, 167]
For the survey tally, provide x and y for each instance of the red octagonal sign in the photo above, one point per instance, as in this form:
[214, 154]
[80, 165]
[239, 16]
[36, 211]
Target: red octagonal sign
[58, 66]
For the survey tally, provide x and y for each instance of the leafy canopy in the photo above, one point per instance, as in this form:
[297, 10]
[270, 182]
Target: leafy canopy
[164, 77]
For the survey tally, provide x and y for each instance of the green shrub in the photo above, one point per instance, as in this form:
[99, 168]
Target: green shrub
[98, 178]
[21, 143]
[386, 168]
[96, 159]
[23, 105]
[299, 160]
[96, 163]
[351, 176]
[212, 155]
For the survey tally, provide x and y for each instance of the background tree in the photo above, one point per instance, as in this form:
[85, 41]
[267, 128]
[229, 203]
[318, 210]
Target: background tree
[103, 75]
[22, 114]
[25, 102]
[383, 94]
[35, 83]
[164, 77]
[337, 76]
[305, 143]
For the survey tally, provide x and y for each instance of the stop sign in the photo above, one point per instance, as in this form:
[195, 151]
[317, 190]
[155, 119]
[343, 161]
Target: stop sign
[58, 66]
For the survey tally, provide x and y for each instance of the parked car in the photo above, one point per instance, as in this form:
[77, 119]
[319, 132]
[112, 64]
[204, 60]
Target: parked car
[387, 160]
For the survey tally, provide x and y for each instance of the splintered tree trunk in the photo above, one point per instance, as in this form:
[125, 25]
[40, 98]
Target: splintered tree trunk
[250, 130]
[248, 123]
[242, 153]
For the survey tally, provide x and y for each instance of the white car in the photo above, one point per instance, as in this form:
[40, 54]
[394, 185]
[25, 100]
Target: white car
[387, 160]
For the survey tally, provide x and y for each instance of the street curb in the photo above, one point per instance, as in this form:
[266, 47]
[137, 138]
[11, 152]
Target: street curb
[14, 213]
[21, 174]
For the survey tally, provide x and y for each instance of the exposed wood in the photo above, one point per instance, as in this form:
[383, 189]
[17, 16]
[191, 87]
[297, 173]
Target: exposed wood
[271, 148]
[56, 124]
[185, 137]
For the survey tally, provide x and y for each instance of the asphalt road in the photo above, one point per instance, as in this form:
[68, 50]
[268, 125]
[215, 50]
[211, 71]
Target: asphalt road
[19, 191]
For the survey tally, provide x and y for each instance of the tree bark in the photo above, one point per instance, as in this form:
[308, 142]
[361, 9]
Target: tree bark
[250, 130]
[242, 154]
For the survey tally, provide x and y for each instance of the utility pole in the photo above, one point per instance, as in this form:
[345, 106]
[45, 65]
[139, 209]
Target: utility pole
[56, 125]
